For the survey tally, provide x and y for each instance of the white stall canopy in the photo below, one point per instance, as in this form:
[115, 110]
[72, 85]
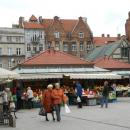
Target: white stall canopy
[95, 76]
[6, 74]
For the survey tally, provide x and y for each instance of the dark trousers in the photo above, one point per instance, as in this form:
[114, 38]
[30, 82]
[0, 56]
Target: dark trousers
[57, 108]
[104, 100]
[30, 103]
[19, 103]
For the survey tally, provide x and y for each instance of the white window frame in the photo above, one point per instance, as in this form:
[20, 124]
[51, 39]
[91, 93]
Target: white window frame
[74, 47]
[9, 63]
[65, 47]
[10, 50]
[18, 51]
[28, 47]
[81, 35]
[81, 46]
[57, 34]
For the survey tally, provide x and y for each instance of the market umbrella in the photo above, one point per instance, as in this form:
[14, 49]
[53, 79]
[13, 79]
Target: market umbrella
[7, 74]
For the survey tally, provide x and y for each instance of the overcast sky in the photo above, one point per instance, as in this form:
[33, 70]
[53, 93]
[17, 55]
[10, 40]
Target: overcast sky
[103, 16]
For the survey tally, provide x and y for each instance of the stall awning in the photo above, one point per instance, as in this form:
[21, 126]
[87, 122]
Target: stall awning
[95, 76]
[40, 76]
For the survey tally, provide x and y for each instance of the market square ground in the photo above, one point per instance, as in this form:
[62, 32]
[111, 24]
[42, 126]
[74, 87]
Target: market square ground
[116, 117]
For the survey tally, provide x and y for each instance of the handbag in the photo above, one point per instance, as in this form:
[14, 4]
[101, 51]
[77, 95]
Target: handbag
[67, 109]
[42, 112]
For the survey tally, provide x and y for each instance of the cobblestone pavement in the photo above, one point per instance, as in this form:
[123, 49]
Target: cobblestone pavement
[115, 117]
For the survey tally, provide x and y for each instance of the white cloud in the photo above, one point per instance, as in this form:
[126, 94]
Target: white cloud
[104, 16]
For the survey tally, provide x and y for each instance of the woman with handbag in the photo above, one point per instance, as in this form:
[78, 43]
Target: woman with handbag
[47, 101]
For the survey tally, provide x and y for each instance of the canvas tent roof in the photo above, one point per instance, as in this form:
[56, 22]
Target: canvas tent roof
[7, 74]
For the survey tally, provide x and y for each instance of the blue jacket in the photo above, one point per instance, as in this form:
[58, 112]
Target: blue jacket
[79, 89]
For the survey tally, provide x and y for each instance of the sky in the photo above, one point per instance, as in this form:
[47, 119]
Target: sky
[103, 16]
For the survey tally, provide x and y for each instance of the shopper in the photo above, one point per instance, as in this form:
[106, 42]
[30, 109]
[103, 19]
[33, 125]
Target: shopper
[79, 91]
[19, 98]
[58, 97]
[47, 101]
[30, 97]
[105, 94]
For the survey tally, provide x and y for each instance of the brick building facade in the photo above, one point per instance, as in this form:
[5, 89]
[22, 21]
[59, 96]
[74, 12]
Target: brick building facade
[127, 27]
[72, 36]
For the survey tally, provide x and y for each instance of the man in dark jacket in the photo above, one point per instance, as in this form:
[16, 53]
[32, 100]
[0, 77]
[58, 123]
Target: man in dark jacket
[105, 94]
[79, 94]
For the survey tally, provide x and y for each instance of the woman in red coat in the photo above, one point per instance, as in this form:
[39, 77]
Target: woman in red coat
[47, 101]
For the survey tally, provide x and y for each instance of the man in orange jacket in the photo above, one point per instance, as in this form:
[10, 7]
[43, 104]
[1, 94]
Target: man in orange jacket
[58, 97]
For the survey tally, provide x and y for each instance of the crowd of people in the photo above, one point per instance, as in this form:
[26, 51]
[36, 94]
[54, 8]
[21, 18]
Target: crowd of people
[52, 97]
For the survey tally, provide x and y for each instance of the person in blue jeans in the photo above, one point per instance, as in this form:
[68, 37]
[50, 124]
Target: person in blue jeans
[105, 94]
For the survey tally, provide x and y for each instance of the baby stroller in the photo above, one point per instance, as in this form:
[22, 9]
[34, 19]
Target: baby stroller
[6, 116]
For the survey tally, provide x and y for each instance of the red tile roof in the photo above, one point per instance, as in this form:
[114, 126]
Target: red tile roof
[33, 18]
[69, 25]
[51, 57]
[32, 25]
[99, 41]
[109, 63]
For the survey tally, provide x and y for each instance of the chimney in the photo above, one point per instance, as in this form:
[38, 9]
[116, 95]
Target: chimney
[21, 20]
[56, 18]
[80, 18]
[108, 35]
[129, 15]
[103, 35]
[40, 19]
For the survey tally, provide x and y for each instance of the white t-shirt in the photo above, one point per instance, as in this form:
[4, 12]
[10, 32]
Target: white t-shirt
[30, 93]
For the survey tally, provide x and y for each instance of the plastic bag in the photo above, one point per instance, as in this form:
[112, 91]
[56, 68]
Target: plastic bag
[67, 109]
[78, 99]
[42, 112]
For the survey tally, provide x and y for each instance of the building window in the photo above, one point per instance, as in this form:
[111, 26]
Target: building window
[74, 46]
[40, 47]
[89, 46]
[124, 52]
[18, 39]
[28, 47]
[9, 63]
[34, 48]
[65, 47]
[57, 46]
[18, 51]
[18, 61]
[56, 34]
[81, 46]
[81, 35]
[0, 51]
[48, 45]
[1, 65]
[9, 51]
[9, 38]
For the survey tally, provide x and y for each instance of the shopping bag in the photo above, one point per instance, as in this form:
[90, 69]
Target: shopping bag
[78, 99]
[67, 109]
[42, 112]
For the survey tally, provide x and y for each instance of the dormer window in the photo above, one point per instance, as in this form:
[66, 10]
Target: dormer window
[81, 35]
[57, 34]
